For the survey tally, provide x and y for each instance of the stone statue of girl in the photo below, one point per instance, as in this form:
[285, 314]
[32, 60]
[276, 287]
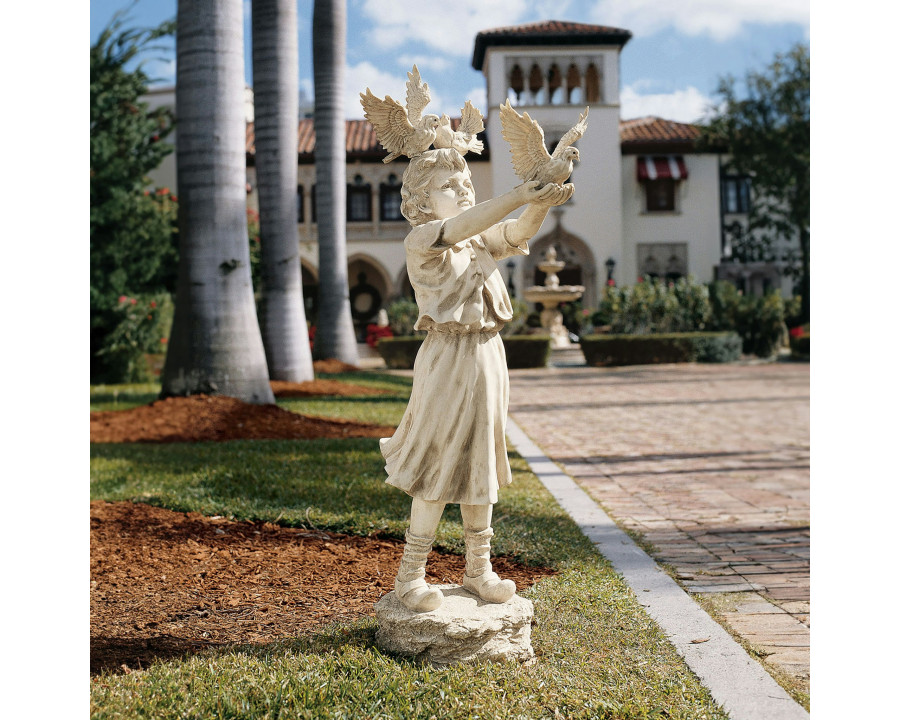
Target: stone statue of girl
[450, 446]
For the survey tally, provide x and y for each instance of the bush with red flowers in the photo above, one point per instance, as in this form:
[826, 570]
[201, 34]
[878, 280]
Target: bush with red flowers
[375, 332]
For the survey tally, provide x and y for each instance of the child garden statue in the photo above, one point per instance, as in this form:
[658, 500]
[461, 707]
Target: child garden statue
[450, 446]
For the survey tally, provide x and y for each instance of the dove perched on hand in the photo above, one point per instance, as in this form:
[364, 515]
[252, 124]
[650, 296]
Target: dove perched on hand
[530, 158]
[462, 140]
[402, 130]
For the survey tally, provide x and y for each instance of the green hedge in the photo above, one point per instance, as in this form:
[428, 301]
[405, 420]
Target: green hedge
[800, 347]
[399, 353]
[527, 351]
[716, 347]
[522, 351]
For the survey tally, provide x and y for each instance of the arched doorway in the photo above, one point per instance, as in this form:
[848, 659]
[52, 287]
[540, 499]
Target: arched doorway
[370, 287]
[580, 266]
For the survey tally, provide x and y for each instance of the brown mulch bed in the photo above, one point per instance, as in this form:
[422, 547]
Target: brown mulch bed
[201, 418]
[333, 365]
[166, 583]
[321, 386]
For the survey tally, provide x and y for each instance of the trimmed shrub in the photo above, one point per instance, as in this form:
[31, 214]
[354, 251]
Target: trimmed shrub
[527, 351]
[758, 320]
[654, 307]
[660, 348]
[522, 351]
[800, 347]
[399, 353]
[402, 315]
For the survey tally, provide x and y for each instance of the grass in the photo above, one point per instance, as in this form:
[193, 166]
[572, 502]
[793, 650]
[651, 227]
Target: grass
[599, 654]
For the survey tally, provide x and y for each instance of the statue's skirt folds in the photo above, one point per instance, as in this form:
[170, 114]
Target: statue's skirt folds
[450, 446]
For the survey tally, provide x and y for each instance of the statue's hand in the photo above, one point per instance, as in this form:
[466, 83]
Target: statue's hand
[552, 194]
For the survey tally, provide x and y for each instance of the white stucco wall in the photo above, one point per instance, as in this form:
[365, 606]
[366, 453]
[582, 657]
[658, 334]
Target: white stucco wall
[694, 222]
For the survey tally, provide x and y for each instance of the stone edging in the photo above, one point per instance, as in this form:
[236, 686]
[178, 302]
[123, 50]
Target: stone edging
[735, 680]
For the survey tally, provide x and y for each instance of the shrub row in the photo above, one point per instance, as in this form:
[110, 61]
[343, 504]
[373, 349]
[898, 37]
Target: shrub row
[717, 347]
[522, 351]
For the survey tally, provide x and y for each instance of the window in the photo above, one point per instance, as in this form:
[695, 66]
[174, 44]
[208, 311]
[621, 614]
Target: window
[359, 201]
[662, 261]
[390, 199]
[299, 203]
[660, 195]
[736, 194]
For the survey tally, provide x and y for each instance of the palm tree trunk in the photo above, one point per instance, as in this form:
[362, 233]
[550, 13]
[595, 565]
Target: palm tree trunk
[276, 100]
[215, 346]
[334, 327]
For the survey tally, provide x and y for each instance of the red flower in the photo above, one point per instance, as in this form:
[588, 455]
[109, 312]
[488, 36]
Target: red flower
[173, 198]
[612, 283]
[153, 303]
[123, 298]
[134, 301]
[164, 340]
[796, 332]
[640, 278]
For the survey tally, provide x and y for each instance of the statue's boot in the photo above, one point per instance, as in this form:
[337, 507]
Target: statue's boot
[480, 578]
[410, 584]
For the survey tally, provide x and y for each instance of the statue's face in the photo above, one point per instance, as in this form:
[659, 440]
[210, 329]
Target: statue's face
[449, 193]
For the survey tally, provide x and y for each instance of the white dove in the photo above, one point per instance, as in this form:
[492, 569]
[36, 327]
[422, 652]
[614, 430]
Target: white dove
[402, 130]
[530, 158]
[462, 140]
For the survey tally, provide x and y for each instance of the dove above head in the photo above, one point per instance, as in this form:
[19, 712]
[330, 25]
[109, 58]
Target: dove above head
[463, 139]
[394, 129]
[530, 158]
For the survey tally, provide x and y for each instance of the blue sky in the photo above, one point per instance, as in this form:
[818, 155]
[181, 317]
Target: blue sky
[670, 67]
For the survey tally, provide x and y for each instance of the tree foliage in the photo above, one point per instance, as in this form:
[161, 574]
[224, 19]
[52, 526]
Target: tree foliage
[133, 250]
[764, 128]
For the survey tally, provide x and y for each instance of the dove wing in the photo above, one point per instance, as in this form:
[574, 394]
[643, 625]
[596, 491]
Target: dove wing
[472, 120]
[388, 117]
[526, 142]
[572, 135]
[417, 95]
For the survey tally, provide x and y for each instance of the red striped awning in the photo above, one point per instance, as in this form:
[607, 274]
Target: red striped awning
[661, 167]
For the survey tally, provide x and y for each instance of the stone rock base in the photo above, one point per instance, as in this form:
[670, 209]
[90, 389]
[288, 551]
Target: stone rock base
[463, 629]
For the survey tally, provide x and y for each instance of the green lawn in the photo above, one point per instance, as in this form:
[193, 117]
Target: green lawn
[599, 655]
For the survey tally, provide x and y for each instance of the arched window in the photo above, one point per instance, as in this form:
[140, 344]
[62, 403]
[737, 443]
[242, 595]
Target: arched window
[536, 85]
[359, 200]
[573, 85]
[517, 82]
[389, 200]
[592, 84]
[555, 85]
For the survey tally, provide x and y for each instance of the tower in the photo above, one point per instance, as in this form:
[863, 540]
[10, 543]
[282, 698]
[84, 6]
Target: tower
[553, 69]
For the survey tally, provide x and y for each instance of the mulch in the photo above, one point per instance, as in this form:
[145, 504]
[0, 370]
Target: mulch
[166, 583]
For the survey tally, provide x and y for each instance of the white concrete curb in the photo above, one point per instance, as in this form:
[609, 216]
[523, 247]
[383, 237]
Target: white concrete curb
[735, 680]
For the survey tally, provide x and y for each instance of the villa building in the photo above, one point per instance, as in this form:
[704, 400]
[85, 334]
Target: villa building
[647, 203]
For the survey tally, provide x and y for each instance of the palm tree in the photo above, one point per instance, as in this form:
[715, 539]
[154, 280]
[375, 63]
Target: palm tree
[215, 346]
[334, 327]
[276, 97]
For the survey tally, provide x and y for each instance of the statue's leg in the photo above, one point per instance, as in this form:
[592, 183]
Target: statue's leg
[410, 584]
[480, 577]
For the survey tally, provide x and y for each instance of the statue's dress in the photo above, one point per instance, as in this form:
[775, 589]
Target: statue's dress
[450, 446]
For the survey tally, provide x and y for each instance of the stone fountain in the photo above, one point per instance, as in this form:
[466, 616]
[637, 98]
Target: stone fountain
[550, 295]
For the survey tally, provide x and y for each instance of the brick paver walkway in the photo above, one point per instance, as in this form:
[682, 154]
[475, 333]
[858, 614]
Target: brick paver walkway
[710, 464]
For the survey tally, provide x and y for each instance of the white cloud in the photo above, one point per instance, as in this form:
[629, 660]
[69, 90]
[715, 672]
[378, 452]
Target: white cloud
[449, 28]
[689, 105]
[437, 63]
[717, 18]
[366, 75]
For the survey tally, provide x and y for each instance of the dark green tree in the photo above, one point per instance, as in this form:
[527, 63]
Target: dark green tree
[763, 126]
[133, 249]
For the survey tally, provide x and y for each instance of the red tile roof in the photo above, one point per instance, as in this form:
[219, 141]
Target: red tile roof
[555, 32]
[650, 133]
[362, 144]
[636, 136]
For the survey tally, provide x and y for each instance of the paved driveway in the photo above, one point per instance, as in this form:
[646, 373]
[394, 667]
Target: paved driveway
[710, 464]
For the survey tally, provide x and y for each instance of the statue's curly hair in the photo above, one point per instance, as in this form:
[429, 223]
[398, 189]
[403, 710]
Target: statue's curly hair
[417, 176]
